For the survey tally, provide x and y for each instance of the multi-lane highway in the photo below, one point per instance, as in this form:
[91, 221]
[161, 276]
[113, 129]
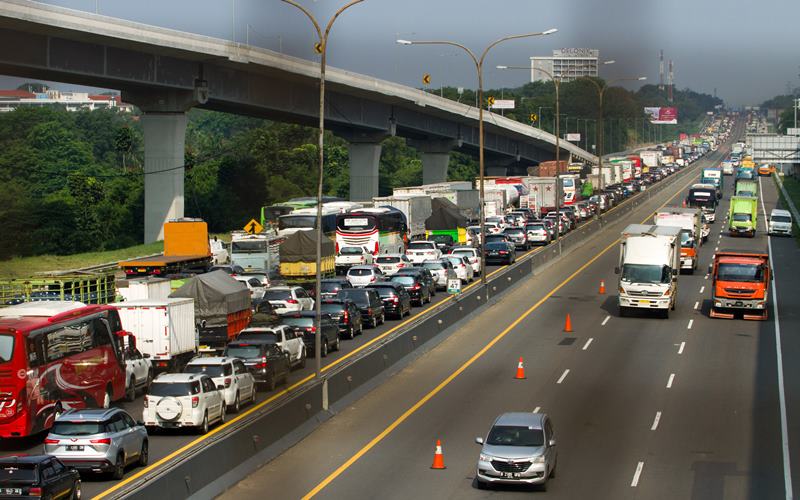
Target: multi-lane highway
[687, 407]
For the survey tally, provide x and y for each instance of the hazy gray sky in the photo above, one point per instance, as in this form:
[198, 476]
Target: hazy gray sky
[747, 50]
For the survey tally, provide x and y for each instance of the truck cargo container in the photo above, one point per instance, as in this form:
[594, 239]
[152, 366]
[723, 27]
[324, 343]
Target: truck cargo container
[541, 195]
[651, 158]
[186, 249]
[746, 187]
[689, 221]
[552, 168]
[713, 176]
[416, 208]
[743, 215]
[144, 288]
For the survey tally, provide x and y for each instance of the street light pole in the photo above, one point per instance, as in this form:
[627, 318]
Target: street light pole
[479, 69]
[321, 47]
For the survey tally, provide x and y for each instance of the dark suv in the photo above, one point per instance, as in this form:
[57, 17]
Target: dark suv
[423, 274]
[303, 322]
[40, 476]
[265, 360]
[415, 286]
[330, 287]
[347, 314]
[396, 300]
[368, 302]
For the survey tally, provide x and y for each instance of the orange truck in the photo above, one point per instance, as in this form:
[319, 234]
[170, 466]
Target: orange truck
[186, 248]
[740, 285]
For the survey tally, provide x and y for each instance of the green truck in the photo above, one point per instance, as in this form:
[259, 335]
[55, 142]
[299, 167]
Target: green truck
[743, 215]
[746, 187]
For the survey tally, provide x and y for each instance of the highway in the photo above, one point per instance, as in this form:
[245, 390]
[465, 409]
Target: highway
[643, 407]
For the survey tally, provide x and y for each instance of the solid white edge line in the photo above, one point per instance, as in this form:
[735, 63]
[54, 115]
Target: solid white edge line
[655, 421]
[787, 467]
[689, 326]
[671, 379]
[636, 474]
[588, 343]
[605, 320]
[563, 376]
[536, 410]
[680, 349]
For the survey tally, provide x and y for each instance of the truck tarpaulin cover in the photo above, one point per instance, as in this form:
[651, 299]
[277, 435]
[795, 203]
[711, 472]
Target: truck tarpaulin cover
[302, 247]
[663, 116]
[444, 215]
[215, 294]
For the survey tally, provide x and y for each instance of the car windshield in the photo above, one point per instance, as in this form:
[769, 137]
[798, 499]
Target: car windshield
[212, 371]
[277, 295]
[686, 239]
[351, 251]
[332, 308]
[17, 472]
[243, 351]
[387, 260]
[741, 217]
[7, 347]
[421, 245]
[78, 428]
[645, 273]
[403, 280]
[174, 389]
[747, 273]
[775, 218]
[359, 272]
[515, 435]
[300, 322]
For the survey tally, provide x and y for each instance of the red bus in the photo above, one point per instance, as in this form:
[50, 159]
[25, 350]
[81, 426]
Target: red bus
[56, 356]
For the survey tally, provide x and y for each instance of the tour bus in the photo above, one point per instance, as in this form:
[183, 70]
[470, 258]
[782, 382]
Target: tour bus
[571, 188]
[380, 230]
[304, 219]
[57, 356]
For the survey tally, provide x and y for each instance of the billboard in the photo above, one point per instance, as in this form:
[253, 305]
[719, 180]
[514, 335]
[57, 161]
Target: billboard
[662, 116]
[503, 104]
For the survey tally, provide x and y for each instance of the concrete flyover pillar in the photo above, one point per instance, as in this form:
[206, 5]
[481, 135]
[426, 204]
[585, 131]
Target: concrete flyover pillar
[365, 158]
[435, 158]
[164, 127]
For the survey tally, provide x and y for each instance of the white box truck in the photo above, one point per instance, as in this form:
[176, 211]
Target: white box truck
[649, 264]
[690, 221]
[144, 288]
[417, 209]
[164, 329]
[651, 158]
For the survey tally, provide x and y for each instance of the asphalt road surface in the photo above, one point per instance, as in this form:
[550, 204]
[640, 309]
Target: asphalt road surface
[690, 402]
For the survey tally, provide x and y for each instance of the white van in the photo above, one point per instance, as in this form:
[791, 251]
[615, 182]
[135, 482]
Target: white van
[780, 222]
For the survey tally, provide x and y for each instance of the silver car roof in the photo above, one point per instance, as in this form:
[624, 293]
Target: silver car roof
[524, 419]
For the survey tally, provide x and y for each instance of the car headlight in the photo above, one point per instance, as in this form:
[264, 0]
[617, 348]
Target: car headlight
[485, 458]
[538, 460]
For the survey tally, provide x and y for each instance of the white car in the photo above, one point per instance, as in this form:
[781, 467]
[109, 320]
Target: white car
[179, 400]
[360, 276]
[462, 266]
[138, 373]
[230, 373]
[352, 256]
[253, 284]
[441, 269]
[537, 233]
[287, 299]
[219, 254]
[390, 263]
[492, 227]
[284, 337]
[473, 256]
[500, 221]
[420, 251]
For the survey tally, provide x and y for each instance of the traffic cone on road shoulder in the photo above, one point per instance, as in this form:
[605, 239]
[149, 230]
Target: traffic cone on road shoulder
[438, 456]
[602, 287]
[568, 324]
[520, 370]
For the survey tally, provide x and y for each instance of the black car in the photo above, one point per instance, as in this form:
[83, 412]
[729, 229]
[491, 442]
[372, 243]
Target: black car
[266, 360]
[330, 287]
[444, 242]
[303, 322]
[368, 302]
[496, 237]
[416, 287]
[424, 274]
[346, 313]
[396, 300]
[41, 476]
[501, 252]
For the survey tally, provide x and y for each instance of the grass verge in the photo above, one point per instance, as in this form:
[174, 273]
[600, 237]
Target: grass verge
[792, 187]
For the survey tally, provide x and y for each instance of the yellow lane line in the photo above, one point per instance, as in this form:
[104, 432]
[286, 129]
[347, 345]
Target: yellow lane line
[444, 383]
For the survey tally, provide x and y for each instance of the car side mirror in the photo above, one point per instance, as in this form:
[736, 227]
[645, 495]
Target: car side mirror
[617, 270]
[146, 356]
[220, 387]
[479, 440]
[551, 443]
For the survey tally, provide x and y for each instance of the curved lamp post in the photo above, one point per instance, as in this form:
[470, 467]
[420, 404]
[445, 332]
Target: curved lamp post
[479, 69]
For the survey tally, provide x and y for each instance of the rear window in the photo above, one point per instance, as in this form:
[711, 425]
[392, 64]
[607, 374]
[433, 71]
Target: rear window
[17, 472]
[243, 351]
[7, 347]
[359, 272]
[384, 291]
[212, 371]
[464, 252]
[387, 260]
[403, 280]
[357, 296]
[351, 251]
[330, 287]
[301, 322]
[174, 389]
[332, 308]
[421, 245]
[260, 335]
[278, 295]
[79, 428]
[432, 265]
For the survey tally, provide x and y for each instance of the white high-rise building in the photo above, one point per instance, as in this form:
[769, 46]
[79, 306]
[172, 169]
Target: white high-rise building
[566, 64]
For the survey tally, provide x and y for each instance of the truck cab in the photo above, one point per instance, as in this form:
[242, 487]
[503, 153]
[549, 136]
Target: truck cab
[649, 264]
[740, 284]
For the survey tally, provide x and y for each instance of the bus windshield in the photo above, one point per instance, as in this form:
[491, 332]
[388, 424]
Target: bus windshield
[297, 222]
[6, 348]
[357, 223]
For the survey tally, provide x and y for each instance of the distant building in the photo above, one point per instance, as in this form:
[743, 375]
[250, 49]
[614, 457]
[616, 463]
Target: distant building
[72, 101]
[566, 64]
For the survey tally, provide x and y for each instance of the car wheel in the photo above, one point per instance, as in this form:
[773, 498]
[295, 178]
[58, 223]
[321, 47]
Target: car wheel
[480, 484]
[204, 426]
[149, 381]
[144, 454]
[253, 395]
[336, 345]
[76, 490]
[271, 383]
[303, 357]
[324, 347]
[130, 391]
[119, 467]
[237, 405]
[223, 414]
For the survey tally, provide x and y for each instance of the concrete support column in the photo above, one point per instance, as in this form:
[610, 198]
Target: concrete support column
[365, 158]
[435, 158]
[164, 139]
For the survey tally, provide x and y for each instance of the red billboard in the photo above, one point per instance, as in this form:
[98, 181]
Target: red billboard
[668, 116]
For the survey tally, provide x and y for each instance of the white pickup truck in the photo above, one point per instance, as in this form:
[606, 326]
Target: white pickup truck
[351, 256]
[284, 337]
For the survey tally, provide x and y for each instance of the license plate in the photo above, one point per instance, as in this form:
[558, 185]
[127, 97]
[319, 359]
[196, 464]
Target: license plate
[513, 475]
[10, 491]
[142, 270]
[74, 447]
[644, 301]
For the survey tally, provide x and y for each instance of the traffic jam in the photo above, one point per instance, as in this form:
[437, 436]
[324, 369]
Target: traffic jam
[123, 371]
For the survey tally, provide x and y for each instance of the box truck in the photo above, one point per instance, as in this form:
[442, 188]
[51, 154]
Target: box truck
[743, 215]
[690, 222]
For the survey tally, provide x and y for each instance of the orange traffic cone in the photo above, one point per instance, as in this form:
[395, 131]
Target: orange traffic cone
[602, 287]
[683, 204]
[568, 325]
[520, 370]
[438, 457]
